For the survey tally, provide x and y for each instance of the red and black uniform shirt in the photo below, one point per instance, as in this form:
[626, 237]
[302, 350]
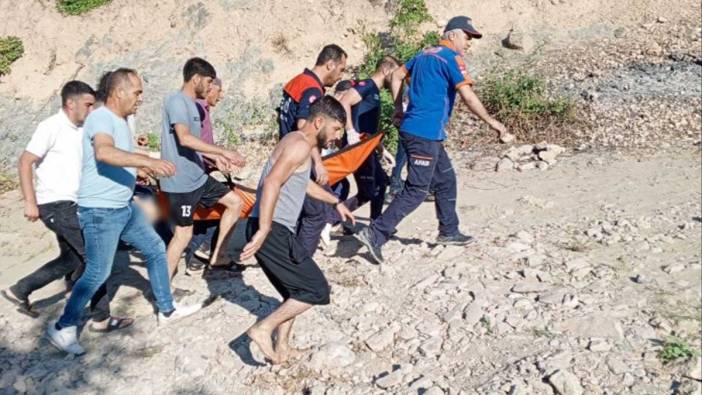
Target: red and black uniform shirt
[298, 95]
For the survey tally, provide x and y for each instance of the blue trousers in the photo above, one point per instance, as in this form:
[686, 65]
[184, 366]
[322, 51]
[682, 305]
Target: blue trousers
[102, 230]
[429, 168]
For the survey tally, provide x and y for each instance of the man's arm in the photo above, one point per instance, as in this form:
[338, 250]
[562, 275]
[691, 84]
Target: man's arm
[476, 107]
[26, 178]
[349, 99]
[106, 152]
[396, 87]
[211, 151]
[316, 192]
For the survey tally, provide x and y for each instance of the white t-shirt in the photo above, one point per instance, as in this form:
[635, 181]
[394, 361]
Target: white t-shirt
[59, 143]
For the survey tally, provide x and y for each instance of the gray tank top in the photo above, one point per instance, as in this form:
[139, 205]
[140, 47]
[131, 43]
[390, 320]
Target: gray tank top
[291, 198]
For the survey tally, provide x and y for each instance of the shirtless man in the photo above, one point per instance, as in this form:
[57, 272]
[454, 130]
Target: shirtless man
[271, 229]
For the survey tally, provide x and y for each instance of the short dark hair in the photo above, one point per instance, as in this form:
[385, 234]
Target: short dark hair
[101, 93]
[344, 85]
[328, 107]
[387, 61]
[73, 89]
[198, 66]
[112, 80]
[330, 52]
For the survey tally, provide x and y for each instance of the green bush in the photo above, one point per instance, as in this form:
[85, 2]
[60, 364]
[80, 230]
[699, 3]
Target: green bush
[402, 41]
[519, 100]
[11, 49]
[154, 141]
[77, 7]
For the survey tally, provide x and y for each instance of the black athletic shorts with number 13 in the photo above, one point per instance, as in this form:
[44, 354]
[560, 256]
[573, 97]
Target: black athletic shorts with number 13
[183, 205]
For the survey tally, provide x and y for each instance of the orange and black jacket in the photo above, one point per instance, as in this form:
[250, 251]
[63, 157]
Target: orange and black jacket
[298, 95]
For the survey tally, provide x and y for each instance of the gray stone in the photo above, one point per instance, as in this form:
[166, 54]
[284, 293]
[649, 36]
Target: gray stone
[565, 383]
[431, 347]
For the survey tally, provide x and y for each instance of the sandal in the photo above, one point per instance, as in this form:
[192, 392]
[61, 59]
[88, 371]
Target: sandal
[23, 306]
[113, 324]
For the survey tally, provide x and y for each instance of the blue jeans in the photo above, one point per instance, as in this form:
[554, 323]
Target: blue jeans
[400, 161]
[102, 230]
[428, 168]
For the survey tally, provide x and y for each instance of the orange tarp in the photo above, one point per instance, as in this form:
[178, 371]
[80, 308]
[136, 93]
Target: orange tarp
[340, 165]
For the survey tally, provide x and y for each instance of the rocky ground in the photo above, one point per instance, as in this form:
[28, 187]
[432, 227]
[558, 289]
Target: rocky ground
[580, 273]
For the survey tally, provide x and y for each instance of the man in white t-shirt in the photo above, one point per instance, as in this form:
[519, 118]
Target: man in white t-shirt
[56, 152]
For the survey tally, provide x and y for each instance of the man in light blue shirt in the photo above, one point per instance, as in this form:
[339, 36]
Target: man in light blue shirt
[106, 212]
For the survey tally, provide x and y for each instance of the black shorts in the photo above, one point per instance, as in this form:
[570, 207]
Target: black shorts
[291, 271]
[182, 206]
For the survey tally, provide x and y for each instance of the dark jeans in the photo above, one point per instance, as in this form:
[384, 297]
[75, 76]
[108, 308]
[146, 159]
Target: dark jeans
[400, 161]
[203, 232]
[371, 182]
[429, 167]
[61, 218]
[311, 223]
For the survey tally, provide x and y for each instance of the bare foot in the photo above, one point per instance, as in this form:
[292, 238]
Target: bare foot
[288, 353]
[264, 342]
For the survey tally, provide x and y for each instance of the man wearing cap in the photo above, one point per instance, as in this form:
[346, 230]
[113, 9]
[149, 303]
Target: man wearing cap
[436, 74]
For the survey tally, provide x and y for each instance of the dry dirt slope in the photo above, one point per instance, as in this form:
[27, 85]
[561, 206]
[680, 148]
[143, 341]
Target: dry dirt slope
[255, 45]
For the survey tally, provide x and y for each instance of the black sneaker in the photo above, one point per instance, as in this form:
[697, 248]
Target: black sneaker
[232, 268]
[364, 236]
[194, 266]
[22, 303]
[348, 229]
[459, 239]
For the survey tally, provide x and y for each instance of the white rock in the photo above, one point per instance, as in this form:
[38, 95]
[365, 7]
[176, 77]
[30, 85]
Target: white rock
[332, 355]
[529, 287]
[473, 313]
[598, 345]
[380, 340]
[595, 325]
[524, 236]
[565, 383]
[695, 370]
[504, 164]
[390, 380]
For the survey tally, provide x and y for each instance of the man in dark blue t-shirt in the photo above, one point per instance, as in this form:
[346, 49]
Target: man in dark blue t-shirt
[437, 74]
[362, 104]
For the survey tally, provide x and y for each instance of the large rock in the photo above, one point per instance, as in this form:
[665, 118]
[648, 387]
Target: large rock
[380, 340]
[332, 355]
[565, 383]
[504, 164]
[595, 325]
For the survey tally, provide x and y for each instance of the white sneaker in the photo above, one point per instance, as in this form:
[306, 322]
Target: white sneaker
[204, 252]
[181, 311]
[65, 339]
[326, 236]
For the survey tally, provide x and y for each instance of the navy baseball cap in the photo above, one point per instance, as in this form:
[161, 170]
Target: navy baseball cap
[464, 23]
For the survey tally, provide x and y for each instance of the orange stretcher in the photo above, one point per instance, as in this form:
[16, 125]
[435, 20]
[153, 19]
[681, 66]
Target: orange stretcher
[339, 164]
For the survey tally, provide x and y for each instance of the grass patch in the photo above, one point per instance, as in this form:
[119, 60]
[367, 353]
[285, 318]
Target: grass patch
[7, 183]
[675, 348]
[11, 49]
[520, 101]
[154, 141]
[77, 7]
